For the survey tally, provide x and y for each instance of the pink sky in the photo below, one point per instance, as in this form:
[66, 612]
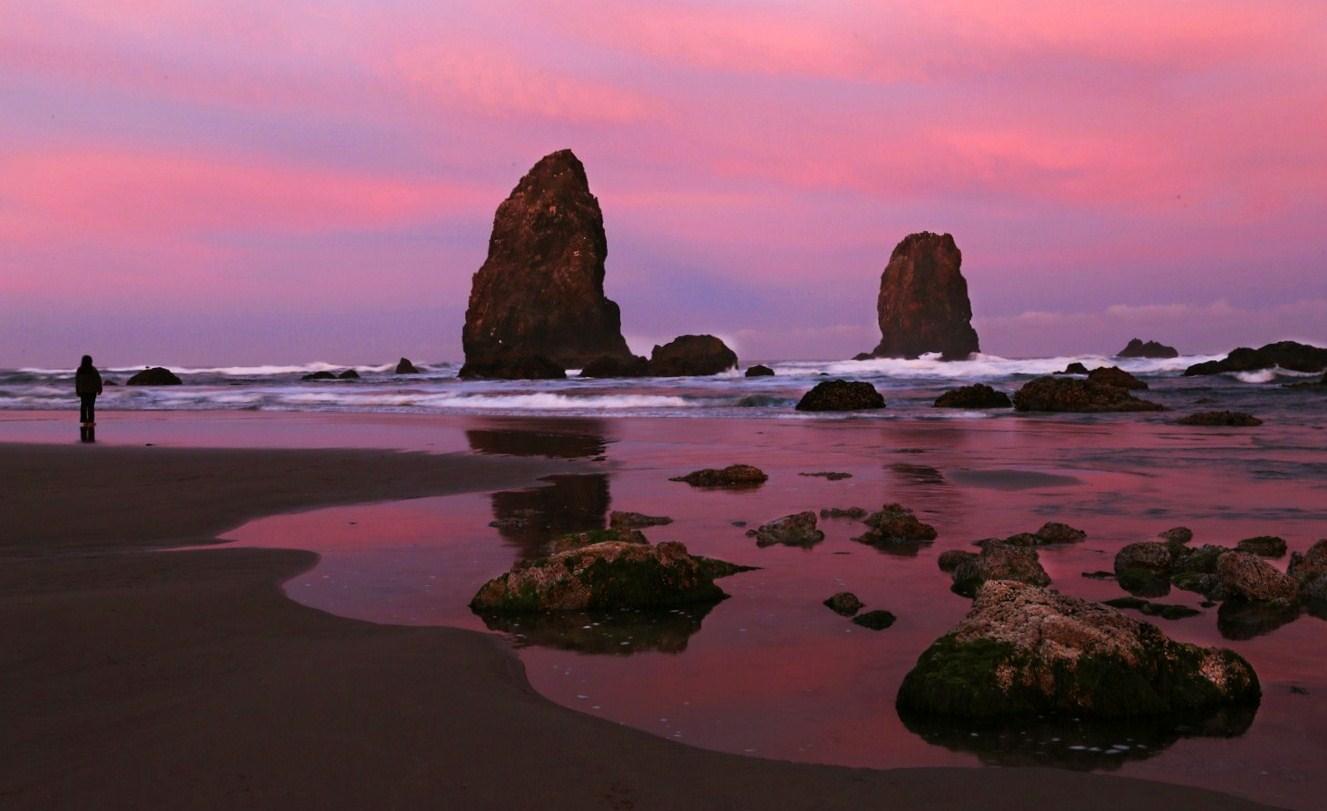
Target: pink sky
[253, 182]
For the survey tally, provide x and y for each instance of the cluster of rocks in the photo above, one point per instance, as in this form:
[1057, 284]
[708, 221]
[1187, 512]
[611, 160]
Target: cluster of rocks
[894, 526]
[996, 561]
[1290, 355]
[1138, 348]
[1082, 396]
[347, 374]
[1025, 650]
[846, 604]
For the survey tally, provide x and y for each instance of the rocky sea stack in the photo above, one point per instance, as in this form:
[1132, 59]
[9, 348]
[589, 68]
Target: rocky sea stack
[1138, 348]
[1295, 357]
[537, 304]
[1026, 651]
[923, 305]
[691, 355]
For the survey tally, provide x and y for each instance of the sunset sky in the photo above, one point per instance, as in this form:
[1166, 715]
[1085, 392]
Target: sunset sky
[248, 182]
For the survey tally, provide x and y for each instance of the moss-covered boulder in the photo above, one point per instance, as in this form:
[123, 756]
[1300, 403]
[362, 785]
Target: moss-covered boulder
[605, 576]
[999, 561]
[1074, 395]
[731, 476]
[798, 529]
[1027, 651]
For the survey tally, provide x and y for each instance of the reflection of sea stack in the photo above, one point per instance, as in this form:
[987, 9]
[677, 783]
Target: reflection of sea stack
[540, 292]
[923, 305]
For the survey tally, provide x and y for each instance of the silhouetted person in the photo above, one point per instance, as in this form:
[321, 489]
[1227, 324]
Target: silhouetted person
[87, 384]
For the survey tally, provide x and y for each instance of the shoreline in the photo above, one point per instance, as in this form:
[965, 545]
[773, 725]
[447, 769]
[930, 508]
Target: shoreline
[192, 677]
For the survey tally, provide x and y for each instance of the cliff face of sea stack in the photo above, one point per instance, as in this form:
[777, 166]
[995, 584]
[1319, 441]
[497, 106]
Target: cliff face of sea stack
[923, 305]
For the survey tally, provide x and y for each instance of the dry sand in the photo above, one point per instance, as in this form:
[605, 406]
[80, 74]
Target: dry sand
[134, 678]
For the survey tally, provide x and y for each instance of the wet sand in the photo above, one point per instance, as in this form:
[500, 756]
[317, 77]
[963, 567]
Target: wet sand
[143, 678]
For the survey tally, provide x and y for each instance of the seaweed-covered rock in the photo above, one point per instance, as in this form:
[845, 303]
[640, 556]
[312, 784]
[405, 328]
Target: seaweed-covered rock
[1115, 376]
[893, 525]
[619, 519]
[1073, 395]
[1290, 355]
[611, 575]
[841, 395]
[759, 370]
[999, 561]
[1144, 568]
[978, 395]
[154, 376]
[731, 476]
[513, 366]
[1226, 419]
[844, 603]
[616, 366]
[1266, 546]
[1254, 579]
[1311, 564]
[1024, 650]
[877, 620]
[1147, 349]
[798, 529]
[692, 355]
[405, 367]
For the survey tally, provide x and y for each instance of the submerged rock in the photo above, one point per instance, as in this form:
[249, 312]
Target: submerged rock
[1150, 349]
[319, 376]
[611, 633]
[951, 559]
[1024, 650]
[405, 367]
[1167, 611]
[540, 291]
[1231, 419]
[877, 620]
[895, 525]
[154, 376]
[759, 370]
[977, 395]
[619, 519]
[841, 395]
[607, 576]
[798, 529]
[1290, 355]
[692, 355]
[999, 561]
[1115, 376]
[1267, 546]
[831, 475]
[1073, 395]
[923, 305]
[845, 603]
[855, 513]
[731, 476]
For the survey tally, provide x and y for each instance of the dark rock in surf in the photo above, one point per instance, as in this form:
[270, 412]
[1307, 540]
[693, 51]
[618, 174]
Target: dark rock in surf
[514, 367]
[1290, 355]
[154, 376]
[1115, 376]
[1220, 419]
[841, 395]
[690, 356]
[405, 367]
[1147, 349]
[759, 370]
[923, 305]
[540, 291]
[977, 395]
[1075, 368]
[348, 374]
[1073, 395]
[319, 376]
[610, 366]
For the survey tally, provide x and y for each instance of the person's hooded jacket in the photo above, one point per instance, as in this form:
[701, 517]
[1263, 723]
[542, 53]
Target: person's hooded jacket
[87, 380]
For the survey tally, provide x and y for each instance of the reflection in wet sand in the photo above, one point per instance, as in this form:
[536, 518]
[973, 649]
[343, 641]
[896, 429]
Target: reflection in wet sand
[604, 632]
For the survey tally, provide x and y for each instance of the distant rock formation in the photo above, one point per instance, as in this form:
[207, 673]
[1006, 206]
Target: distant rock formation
[538, 300]
[154, 376]
[1290, 355]
[923, 305]
[688, 355]
[405, 367]
[1147, 349]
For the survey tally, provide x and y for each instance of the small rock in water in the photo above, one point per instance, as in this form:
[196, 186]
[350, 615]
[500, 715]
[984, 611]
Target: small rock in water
[798, 529]
[154, 376]
[895, 524]
[877, 620]
[832, 475]
[1226, 419]
[731, 476]
[1099, 575]
[855, 513]
[999, 561]
[841, 395]
[759, 370]
[1115, 376]
[844, 603]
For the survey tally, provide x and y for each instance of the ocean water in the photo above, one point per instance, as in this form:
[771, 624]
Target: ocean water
[910, 386]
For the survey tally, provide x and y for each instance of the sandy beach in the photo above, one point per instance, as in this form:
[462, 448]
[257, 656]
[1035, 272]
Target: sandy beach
[137, 677]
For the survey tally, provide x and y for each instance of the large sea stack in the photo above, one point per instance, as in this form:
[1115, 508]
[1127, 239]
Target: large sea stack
[540, 292]
[923, 304]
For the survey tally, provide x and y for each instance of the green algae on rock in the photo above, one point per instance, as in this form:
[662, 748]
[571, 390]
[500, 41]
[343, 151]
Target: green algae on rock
[1025, 651]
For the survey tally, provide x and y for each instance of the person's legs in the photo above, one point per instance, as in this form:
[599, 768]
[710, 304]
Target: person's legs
[85, 409]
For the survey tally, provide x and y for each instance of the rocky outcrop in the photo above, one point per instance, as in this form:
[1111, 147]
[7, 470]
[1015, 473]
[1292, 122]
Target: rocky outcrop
[1025, 651]
[540, 291]
[1264, 546]
[845, 603]
[154, 376]
[514, 367]
[1070, 394]
[405, 367]
[1075, 368]
[323, 375]
[798, 529]
[603, 576]
[1115, 376]
[731, 476]
[1290, 355]
[841, 395]
[691, 355]
[759, 370]
[977, 395]
[609, 366]
[1147, 349]
[895, 526]
[998, 561]
[923, 305]
[1220, 419]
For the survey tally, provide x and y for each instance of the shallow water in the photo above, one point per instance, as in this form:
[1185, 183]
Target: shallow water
[771, 671]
